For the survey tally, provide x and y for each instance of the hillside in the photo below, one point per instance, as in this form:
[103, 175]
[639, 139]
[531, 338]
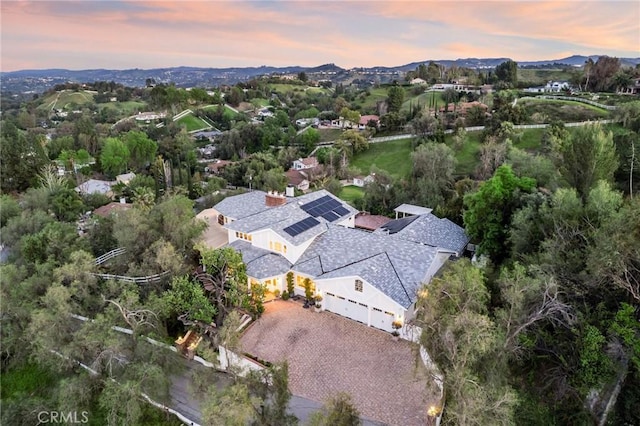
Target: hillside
[40, 80]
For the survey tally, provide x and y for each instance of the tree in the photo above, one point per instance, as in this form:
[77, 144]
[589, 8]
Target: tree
[588, 156]
[226, 282]
[465, 344]
[488, 211]
[302, 76]
[9, 208]
[508, 72]
[142, 150]
[355, 139]
[22, 158]
[338, 411]
[433, 167]
[395, 98]
[114, 156]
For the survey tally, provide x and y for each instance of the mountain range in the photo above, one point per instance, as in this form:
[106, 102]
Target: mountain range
[41, 80]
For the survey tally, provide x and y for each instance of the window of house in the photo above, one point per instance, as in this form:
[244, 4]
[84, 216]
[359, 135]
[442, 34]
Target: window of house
[359, 285]
[277, 246]
[377, 309]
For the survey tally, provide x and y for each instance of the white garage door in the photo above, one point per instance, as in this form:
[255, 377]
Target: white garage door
[346, 307]
[381, 319]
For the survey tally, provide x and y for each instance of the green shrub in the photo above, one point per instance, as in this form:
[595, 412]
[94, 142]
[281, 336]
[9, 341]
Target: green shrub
[285, 295]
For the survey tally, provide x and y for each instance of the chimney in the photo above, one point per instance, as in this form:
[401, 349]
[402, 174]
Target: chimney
[290, 191]
[273, 199]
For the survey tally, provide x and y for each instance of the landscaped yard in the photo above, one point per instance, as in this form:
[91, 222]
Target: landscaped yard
[546, 110]
[193, 123]
[327, 135]
[351, 193]
[393, 157]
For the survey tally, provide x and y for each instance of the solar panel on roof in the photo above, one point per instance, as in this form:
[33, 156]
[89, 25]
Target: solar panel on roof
[300, 227]
[330, 216]
[341, 211]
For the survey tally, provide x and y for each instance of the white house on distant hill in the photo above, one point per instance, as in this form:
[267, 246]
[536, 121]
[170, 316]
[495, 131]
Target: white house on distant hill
[371, 277]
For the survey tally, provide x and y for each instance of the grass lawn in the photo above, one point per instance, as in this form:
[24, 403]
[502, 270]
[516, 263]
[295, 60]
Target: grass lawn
[66, 100]
[530, 139]
[393, 157]
[567, 111]
[467, 157]
[541, 77]
[192, 122]
[125, 108]
[351, 193]
[369, 102]
[423, 100]
[327, 135]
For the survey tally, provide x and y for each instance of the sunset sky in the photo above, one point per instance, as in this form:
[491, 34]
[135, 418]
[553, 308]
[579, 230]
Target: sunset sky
[139, 34]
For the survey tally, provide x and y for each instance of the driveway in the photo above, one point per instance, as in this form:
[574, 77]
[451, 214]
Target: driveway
[215, 235]
[328, 353]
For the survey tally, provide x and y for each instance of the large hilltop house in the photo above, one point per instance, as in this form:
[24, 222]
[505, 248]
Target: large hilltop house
[370, 277]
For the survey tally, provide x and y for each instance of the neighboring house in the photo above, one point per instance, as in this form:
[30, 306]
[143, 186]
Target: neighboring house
[94, 186]
[632, 89]
[556, 86]
[298, 179]
[125, 178]
[217, 166]
[305, 163]
[112, 209]
[371, 277]
[366, 119]
[361, 181]
[209, 135]
[418, 81]
[537, 89]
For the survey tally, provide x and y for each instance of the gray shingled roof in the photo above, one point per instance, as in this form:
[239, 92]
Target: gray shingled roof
[431, 230]
[278, 218]
[243, 205]
[261, 263]
[396, 268]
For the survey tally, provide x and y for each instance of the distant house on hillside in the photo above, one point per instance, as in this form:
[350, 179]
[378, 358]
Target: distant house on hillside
[361, 181]
[368, 120]
[112, 209]
[217, 166]
[95, 186]
[298, 179]
[632, 89]
[305, 163]
[418, 81]
[556, 86]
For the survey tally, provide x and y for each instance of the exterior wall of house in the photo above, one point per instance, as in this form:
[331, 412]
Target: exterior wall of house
[370, 306]
[277, 282]
[349, 222]
[267, 239]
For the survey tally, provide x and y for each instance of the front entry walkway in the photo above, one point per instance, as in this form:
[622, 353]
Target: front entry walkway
[328, 354]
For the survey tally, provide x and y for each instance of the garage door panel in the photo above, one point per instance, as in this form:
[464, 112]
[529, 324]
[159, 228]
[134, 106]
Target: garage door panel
[347, 307]
[381, 319]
